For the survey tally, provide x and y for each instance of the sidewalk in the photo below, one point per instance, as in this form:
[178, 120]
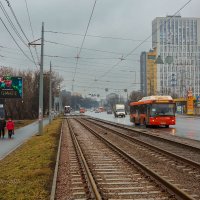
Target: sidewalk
[21, 135]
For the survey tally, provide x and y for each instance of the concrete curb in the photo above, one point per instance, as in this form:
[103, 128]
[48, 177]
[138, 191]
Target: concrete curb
[53, 189]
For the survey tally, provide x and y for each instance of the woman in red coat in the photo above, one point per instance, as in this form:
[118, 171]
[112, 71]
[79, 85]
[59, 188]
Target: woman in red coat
[10, 127]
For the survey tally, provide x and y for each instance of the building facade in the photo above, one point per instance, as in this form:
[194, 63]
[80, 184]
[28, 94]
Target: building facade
[177, 41]
[151, 76]
[148, 73]
[143, 80]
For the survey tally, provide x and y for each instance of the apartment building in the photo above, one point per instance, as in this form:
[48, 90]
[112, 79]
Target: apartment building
[177, 41]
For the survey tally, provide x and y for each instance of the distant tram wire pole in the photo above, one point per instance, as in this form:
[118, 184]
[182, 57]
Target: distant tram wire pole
[41, 85]
[50, 96]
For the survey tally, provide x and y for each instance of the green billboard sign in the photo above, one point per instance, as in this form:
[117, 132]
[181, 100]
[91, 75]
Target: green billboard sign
[11, 87]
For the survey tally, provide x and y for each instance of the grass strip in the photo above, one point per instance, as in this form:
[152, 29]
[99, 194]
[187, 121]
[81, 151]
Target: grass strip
[27, 173]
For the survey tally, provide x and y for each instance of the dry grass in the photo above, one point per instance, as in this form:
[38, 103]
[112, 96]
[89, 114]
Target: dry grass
[27, 173]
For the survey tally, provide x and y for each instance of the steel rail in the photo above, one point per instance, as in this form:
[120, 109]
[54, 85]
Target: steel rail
[54, 184]
[168, 153]
[85, 165]
[173, 190]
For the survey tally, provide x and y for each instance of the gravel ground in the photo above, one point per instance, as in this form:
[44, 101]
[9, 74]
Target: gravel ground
[110, 177]
[171, 147]
[63, 180]
[175, 172]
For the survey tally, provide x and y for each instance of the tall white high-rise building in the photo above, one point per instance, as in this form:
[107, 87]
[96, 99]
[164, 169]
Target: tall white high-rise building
[177, 40]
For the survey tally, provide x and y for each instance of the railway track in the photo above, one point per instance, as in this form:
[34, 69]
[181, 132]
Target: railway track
[180, 171]
[69, 179]
[175, 145]
[107, 171]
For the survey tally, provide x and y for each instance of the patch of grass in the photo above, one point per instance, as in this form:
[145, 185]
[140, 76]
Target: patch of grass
[27, 173]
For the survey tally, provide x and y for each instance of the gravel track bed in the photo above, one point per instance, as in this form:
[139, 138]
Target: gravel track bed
[70, 182]
[178, 173]
[166, 145]
[115, 177]
[159, 132]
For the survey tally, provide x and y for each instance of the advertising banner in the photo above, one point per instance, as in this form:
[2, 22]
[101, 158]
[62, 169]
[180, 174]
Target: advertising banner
[11, 87]
[190, 105]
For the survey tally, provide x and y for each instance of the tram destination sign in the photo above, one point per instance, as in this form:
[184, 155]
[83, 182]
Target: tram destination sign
[11, 87]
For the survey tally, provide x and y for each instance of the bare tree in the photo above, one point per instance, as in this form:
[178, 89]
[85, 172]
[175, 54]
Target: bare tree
[27, 107]
[135, 96]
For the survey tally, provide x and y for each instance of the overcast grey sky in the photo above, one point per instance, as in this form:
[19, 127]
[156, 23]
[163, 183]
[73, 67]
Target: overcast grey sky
[120, 25]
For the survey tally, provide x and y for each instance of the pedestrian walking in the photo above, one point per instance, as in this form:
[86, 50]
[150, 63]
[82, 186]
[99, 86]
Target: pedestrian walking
[2, 126]
[10, 127]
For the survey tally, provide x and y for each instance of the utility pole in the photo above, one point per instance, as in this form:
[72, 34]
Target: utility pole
[50, 95]
[60, 101]
[41, 85]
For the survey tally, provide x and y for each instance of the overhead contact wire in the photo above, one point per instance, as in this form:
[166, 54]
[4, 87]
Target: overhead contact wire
[83, 40]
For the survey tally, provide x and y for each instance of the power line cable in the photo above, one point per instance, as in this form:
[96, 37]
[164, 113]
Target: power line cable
[78, 55]
[86, 63]
[15, 17]
[67, 69]
[32, 30]
[65, 57]
[103, 51]
[102, 88]
[11, 23]
[16, 41]
[130, 53]
[96, 36]
[87, 28]
[92, 79]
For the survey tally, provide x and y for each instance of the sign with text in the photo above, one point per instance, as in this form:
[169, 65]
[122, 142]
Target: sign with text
[11, 87]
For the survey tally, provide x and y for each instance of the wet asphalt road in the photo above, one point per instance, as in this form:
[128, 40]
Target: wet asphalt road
[186, 126]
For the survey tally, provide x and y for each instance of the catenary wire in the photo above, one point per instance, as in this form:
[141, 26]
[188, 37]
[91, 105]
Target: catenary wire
[11, 23]
[130, 53]
[17, 21]
[98, 50]
[16, 41]
[85, 58]
[96, 36]
[83, 40]
[31, 27]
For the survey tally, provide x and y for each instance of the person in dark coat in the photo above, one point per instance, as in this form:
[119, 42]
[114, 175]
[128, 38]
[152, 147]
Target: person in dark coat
[10, 127]
[2, 126]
